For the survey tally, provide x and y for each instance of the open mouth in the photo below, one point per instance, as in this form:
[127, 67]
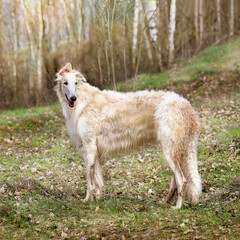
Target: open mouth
[70, 103]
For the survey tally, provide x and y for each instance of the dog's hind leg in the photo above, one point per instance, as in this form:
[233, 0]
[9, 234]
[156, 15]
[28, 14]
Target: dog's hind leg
[172, 189]
[179, 177]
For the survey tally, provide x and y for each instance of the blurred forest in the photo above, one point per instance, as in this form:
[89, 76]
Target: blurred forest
[107, 40]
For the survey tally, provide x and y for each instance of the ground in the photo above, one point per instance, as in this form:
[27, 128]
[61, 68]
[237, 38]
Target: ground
[42, 178]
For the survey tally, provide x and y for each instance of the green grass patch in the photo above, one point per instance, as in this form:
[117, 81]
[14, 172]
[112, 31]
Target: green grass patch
[42, 178]
[233, 133]
[210, 61]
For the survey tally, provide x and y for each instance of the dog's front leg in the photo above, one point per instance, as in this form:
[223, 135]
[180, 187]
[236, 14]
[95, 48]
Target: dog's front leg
[89, 159]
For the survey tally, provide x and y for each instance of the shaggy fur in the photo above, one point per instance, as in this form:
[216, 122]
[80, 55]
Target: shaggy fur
[105, 122]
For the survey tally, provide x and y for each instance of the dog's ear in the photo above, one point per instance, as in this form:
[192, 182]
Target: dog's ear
[66, 68]
[81, 77]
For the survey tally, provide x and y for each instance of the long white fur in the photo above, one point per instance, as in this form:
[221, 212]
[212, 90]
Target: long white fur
[105, 122]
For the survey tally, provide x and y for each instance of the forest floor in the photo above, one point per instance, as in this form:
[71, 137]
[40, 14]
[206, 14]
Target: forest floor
[42, 178]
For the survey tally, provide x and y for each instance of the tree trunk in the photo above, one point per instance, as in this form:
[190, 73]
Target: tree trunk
[196, 10]
[14, 51]
[92, 11]
[172, 26]
[1, 34]
[151, 17]
[4, 38]
[110, 39]
[218, 27]
[135, 29]
[201, 27]
[53, 22]
[68, 23]
[87, 19]
[79, 20]
[231, 19]
[124, 44]
[148, 46]
[39, 49]
[150, 36]
[31, 46]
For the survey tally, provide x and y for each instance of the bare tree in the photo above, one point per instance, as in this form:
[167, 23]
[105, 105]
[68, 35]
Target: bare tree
[218, 27]
[31, 44]
[1, 30]
[68, 22]
[153, 31]
[39, 47]
[151, 17]
[201, 27]
[231, 19]
[110, 39]
[135, 29]
[35, 36]
[124, 43]
[87, 18]
[196, 10]
[14, 50]
[172, 26]
[79, 20]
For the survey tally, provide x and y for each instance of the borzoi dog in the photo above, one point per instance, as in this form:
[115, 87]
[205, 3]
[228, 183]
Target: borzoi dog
[104, 122]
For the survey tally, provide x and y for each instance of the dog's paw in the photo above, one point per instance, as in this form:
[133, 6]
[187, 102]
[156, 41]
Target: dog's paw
[175, 207]
[88, 199]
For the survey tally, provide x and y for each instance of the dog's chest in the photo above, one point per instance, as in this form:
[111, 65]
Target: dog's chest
[72, 129]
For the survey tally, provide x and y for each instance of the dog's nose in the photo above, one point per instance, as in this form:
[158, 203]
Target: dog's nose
[73, 98]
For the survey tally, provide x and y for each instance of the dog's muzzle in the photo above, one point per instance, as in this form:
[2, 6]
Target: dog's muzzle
[71, 101]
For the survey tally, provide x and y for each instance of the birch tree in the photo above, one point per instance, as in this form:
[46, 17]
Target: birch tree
[196, 4]
[39, 46]
[14, 49]
[135, 28]
[4, 38]
[87, 18]
[68, 22]
[53, 22]
[92, 11]
[31, 44]
[218, 27]
[151, 14]
[111, 17]
[201, 27]
[151, 7]
[79, 20]
[124, 44]
[231, 19]
[35, 36]
[172, 26]
[1, 23]
[151, 17]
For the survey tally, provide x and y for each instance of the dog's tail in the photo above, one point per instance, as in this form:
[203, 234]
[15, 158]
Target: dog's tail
[190, 170]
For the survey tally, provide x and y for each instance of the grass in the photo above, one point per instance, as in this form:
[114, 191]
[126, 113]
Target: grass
[212, 60]
[43, 180]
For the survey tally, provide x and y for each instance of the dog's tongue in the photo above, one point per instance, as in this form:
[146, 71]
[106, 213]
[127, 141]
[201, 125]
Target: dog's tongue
[71, 104]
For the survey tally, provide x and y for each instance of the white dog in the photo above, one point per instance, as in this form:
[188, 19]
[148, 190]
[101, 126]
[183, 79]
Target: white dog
[104, 122]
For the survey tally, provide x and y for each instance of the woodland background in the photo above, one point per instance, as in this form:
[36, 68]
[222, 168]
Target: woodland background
[107, 40]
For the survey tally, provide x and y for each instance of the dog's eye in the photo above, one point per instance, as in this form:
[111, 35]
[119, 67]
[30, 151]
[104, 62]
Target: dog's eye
[75, 83]
[65, 83]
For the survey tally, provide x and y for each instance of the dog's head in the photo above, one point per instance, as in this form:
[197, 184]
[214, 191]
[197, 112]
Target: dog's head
[68, 82]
